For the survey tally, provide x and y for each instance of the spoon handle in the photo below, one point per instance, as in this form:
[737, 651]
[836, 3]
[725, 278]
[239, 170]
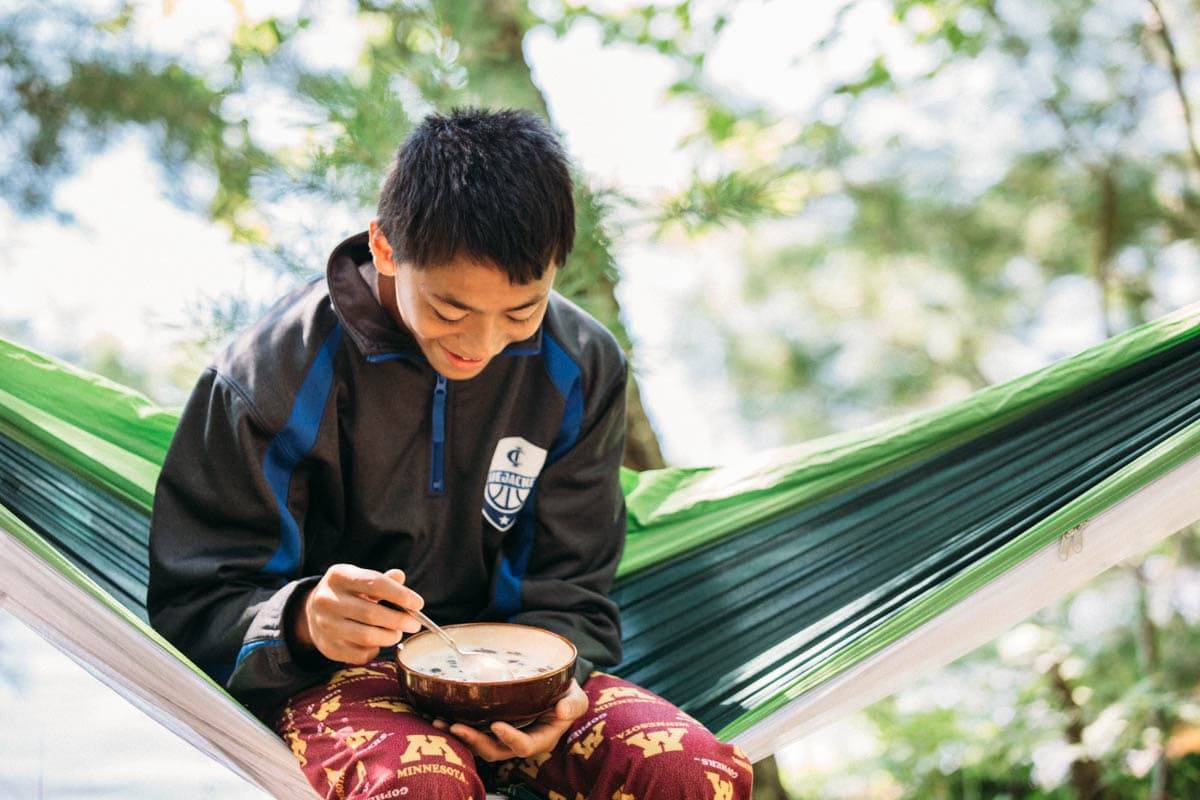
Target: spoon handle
[433, 626]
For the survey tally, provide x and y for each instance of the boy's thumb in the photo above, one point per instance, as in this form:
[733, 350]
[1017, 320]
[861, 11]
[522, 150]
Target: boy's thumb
[571, 707]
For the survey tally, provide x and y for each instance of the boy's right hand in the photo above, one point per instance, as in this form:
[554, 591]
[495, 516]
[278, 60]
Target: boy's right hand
[343, 619]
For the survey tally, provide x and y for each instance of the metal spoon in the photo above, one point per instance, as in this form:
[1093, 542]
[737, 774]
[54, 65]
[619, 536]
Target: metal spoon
[473, 662]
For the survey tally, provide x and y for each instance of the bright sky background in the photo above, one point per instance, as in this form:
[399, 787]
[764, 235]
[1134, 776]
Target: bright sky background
[134, 265]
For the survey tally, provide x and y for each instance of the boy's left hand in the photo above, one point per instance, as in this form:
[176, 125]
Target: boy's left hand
[509, 742]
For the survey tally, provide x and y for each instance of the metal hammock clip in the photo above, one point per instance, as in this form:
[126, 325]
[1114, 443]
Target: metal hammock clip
[1071, 542]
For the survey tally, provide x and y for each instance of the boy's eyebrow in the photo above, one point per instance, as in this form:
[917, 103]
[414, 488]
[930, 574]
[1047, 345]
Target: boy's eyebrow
[451, 301]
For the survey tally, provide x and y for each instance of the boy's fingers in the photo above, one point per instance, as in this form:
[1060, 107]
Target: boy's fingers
[351, 577]
[377, 586]
[381, 615]
[520, 743]
[573, 706]
[541, 737]
[483, 745]
[360, 635]
[352, 654]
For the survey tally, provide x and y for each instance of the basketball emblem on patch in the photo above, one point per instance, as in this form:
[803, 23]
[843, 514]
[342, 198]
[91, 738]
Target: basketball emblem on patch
[514, 469]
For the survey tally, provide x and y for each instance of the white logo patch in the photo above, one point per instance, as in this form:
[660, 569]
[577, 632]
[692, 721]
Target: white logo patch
[514, 469]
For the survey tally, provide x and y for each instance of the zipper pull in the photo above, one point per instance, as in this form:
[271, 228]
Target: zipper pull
[439, 410]
[437, 468]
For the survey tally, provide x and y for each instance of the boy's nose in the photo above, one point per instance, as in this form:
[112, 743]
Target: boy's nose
[488, 340]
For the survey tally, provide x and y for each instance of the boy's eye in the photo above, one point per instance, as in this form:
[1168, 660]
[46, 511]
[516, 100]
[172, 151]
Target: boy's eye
[444, 318]
[522, 319]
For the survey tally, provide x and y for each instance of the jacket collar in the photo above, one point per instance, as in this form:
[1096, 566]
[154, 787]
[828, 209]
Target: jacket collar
[348, 273]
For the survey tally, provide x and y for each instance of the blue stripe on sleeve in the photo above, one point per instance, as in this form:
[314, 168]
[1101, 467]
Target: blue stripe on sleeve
[292, 444]
[250, 647]
[518, 547]
[566, 375]
[508, 584]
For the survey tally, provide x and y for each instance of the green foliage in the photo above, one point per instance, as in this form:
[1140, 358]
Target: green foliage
[730, 198]
[1069, 690]
[877, 76]
[72, 90]
[899, 267]
[418, 57]
[894, 237]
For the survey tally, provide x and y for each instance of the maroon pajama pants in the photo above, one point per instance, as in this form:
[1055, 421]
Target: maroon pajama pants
[355, 739]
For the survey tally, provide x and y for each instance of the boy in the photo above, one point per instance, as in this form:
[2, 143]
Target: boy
[358, 443]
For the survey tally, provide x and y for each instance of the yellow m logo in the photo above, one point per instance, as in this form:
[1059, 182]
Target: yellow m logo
[421, 745]
[343, 675]
[657, 742]
[722, 789]
[391, 705]
[358, 738]
[619, 692]
[299, 746]
[328, 707]
[588, 744]
[334, 777]
[531, 765]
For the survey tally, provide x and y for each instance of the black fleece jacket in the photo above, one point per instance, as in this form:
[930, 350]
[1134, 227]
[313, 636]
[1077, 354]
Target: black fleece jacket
[322, 435]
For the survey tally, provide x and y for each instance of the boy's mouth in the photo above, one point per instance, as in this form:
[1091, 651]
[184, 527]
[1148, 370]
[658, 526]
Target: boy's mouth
[460, 361]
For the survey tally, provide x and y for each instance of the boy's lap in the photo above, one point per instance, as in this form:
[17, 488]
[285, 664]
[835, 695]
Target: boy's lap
[627, 729]
[358, 717]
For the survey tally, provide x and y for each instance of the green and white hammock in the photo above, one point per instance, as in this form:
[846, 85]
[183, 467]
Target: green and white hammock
[766, 598]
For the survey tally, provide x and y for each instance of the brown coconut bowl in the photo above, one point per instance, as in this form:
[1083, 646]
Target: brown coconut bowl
[480, 703]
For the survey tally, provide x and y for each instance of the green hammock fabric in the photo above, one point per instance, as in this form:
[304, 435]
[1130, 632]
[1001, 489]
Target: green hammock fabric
[800, 563]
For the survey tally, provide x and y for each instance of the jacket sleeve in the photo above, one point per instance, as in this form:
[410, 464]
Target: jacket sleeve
[225, 548]
[580, 534]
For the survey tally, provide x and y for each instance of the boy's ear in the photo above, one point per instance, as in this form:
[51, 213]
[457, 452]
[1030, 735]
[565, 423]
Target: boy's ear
[381, 250]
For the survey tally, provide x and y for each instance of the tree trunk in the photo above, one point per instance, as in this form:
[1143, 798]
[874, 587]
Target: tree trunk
[490, 34]
[766, 781]
[497, 71]
[1085, 773]
[1146, 636]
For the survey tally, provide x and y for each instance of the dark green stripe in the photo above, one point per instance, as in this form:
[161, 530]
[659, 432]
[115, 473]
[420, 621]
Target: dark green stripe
[106, 538]
[835, 569]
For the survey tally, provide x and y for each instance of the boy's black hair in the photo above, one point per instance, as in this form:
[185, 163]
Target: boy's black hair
[494, 185]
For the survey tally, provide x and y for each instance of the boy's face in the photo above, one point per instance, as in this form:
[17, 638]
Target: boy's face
[461, 314]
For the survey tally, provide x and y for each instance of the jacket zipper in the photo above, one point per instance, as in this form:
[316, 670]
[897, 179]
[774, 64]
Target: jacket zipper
[437, 478]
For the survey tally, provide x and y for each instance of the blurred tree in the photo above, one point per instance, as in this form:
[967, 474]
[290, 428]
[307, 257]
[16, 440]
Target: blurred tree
[888, 250]
[76, 80]
[1059, 707]
[893, 258]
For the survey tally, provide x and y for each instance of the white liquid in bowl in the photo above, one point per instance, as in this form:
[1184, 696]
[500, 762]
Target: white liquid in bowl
[443, 663]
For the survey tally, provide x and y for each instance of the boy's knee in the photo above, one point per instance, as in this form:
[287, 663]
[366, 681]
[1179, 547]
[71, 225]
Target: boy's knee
[704, 767]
